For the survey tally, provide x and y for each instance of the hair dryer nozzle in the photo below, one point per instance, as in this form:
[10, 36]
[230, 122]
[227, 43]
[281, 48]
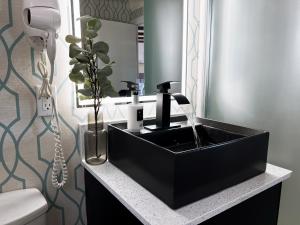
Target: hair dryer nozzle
[51, 46]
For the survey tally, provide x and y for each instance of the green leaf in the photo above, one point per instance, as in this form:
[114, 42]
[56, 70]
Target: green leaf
[73, 61]
[106, 87]
[82, 58]
[94, 24]
[101, 47]
[78, 67]
[90, 34]
[105, 71]
[85, 18]
[87, 84]
[104, 58]
[108, 90]
[72, 39]
[104, 82]
[82, 97]
[86, 92]
[75, 50]
[76, 77]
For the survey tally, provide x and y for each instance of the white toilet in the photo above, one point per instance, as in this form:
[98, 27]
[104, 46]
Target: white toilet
[22, 207]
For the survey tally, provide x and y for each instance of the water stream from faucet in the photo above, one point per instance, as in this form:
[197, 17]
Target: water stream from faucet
[187, 109]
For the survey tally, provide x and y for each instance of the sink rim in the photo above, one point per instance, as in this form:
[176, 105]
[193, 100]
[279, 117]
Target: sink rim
[204, 148]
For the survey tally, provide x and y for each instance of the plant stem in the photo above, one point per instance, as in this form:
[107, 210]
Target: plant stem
[96, 127]
[96, 99]
[92, 73]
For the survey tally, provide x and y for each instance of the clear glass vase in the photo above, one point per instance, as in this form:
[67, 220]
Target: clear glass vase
[95, 141]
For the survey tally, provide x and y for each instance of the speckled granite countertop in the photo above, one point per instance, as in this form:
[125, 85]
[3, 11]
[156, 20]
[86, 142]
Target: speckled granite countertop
[150, 210]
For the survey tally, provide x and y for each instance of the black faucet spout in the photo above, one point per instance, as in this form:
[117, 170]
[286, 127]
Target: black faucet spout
[181, 99]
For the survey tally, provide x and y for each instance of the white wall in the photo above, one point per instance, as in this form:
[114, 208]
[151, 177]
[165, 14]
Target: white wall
[255, 80]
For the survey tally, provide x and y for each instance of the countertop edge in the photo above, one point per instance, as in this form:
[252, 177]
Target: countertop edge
[201, 218]
[124, 202]
[240, 200]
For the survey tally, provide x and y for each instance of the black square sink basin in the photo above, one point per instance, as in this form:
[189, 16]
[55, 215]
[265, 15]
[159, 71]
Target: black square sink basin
[171, 167]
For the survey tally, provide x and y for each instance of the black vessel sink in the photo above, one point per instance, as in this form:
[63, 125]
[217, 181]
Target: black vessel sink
[170, 166]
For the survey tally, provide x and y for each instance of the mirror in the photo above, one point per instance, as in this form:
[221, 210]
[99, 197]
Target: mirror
[145, 39]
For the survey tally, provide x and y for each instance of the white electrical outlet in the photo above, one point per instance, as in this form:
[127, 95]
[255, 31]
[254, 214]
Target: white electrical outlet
[45, 105]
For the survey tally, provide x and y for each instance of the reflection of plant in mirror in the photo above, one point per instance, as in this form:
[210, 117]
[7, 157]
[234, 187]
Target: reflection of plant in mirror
[85, 66]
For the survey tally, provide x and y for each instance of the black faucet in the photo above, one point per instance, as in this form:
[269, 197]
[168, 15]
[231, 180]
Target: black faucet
[163, 106]
[132, 86]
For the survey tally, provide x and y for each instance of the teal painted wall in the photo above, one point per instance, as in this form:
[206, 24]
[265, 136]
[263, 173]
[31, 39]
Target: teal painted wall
[163, 42]
[254, 80]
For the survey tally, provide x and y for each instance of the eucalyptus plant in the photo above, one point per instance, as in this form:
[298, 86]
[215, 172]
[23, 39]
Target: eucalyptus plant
[91, 65]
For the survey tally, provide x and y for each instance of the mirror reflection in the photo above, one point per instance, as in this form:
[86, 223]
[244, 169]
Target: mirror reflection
[145, 39]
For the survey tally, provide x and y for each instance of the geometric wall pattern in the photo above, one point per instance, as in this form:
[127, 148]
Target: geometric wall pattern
[196, 54]
[26, 140]
[115, 10]
[110, 10]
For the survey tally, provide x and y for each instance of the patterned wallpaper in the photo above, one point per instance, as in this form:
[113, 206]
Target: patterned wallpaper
[198, 41]
[116, 10]
[26, 141]
[137, 13]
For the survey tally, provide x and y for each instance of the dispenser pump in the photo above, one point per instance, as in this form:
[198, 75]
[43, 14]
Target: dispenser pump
[135, 97]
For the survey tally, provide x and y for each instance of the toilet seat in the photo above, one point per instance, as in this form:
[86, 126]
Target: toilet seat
[22, 206]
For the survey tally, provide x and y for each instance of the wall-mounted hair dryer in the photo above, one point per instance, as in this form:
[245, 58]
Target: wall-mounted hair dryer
[41, 20]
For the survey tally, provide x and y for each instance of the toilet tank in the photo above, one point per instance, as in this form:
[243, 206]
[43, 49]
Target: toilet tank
[27, 206]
